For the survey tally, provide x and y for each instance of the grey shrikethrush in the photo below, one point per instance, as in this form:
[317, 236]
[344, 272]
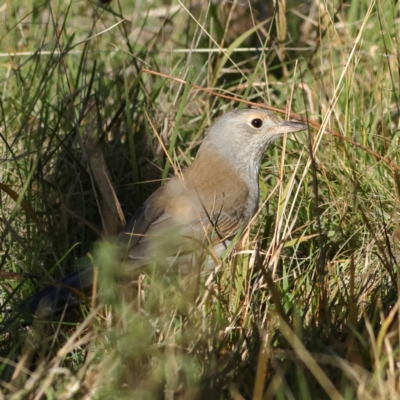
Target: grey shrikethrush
[205, 206]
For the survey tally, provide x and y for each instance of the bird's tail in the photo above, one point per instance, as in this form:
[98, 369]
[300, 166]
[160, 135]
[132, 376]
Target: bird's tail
[66, 293]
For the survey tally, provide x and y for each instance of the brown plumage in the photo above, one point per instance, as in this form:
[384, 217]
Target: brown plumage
[214, 197]
[204, 208]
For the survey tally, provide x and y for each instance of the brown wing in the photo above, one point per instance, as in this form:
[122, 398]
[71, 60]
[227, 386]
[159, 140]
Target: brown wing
[154, 233]
[138, 225]
[175, 221]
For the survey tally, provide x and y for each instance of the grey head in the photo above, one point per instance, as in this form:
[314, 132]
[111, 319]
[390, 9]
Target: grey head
[242, 136]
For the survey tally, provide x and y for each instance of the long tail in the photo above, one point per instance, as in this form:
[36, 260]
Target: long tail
[66, 293]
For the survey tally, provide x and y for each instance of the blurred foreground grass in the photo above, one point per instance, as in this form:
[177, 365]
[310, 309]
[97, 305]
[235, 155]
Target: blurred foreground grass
[307, 305]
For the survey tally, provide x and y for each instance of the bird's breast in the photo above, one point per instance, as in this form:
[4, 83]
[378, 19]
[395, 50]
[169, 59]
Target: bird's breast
[217, 182]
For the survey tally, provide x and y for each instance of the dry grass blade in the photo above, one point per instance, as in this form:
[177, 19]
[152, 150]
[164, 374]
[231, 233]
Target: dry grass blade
[319, 254]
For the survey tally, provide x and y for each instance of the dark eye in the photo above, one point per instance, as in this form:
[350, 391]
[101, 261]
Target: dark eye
[257, 122]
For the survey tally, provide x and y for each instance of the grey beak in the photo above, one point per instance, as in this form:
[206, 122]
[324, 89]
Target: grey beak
[291, 126]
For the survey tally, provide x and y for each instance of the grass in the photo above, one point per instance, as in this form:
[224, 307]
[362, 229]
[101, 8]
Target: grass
[306, 306]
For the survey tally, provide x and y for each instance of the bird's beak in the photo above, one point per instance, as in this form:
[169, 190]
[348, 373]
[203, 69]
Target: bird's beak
[291, 126]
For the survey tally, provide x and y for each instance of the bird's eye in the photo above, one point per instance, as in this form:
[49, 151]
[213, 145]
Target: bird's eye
[257, 122]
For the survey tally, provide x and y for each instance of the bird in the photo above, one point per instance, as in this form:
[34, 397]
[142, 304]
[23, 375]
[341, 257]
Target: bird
[204, 207]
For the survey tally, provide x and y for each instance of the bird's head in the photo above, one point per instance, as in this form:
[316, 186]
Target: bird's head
[242, 136]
